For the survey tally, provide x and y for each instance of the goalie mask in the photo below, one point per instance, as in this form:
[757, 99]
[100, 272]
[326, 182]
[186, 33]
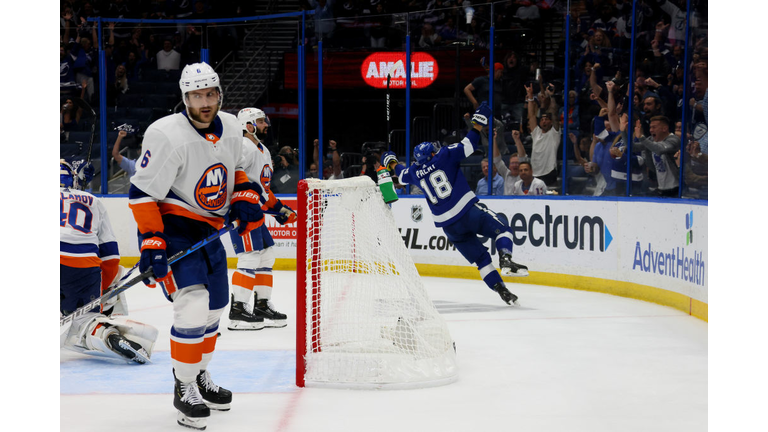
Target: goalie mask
[67, 176]
[75, 173]
[253, 116]
[423, 152]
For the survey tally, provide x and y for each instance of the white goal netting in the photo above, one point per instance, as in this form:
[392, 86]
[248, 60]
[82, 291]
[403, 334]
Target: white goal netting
[369, 322]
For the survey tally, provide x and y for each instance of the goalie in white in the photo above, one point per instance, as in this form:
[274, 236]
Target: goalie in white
[89, 264]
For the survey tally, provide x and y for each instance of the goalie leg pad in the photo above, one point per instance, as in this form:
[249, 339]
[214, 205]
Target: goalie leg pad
[143, 334]
[100, 335]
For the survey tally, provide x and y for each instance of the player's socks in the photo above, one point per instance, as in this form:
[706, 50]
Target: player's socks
[193, 412]
[215, 397]
[240, 318]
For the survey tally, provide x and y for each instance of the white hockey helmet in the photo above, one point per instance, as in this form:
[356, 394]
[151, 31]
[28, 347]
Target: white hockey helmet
[198, 76]
[250, 115]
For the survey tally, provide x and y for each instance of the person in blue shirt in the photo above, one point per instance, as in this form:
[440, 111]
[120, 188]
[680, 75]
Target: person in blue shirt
[458, 211]
[482, 184]
[128, 165]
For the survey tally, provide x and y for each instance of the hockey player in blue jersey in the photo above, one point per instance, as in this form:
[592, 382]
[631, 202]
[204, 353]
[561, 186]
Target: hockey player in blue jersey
[457, 209]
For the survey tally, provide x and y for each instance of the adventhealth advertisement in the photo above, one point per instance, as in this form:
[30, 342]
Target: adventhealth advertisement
[665, 246]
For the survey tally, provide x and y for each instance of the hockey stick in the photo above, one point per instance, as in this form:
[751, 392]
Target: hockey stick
[123, 285]
[394, 67]
[93, 131]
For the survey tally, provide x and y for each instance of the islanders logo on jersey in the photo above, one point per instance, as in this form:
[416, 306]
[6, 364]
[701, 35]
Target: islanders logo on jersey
[211, 189]
[266, 177]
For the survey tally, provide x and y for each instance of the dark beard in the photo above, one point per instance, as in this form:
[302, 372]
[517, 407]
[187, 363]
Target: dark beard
[261, 135]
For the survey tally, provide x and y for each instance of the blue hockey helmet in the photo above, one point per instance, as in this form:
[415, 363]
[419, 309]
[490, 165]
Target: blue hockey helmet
[423, 152]
[67, 178]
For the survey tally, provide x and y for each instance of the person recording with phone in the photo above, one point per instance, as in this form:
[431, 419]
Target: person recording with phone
[285, 179]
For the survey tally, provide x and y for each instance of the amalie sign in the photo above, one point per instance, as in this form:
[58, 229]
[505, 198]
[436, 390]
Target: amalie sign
[376, 66]
[349, 70]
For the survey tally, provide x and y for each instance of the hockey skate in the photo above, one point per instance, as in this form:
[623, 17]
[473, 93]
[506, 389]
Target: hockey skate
[263, 309]
[193, 412]
[507, 296]
[128, 348]
[240, 318]
[511, 268]
[215, 397]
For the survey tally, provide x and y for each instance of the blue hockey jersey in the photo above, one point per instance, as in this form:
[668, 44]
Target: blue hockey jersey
[448, 193]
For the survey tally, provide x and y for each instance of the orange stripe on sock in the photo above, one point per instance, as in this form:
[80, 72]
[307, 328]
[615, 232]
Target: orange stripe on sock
[263, 280]
[209, 344]
[242, 280]
[187, 353]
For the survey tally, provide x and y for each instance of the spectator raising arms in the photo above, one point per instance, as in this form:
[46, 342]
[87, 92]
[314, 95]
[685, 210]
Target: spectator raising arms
[512, 174]
[546, 136]
[128, 165]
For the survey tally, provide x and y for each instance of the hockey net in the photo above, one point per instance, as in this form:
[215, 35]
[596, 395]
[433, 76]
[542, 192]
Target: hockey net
[364, 319]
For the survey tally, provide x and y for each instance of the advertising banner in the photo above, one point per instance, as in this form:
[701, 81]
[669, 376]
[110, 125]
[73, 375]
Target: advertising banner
[549, 236]
[657, 244]
[665, 246]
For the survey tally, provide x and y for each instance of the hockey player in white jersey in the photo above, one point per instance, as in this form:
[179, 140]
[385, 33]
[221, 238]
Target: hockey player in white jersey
[255, 255]
[89, 264]
[189, 180]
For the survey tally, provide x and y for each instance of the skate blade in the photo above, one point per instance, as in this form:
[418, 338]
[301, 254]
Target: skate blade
[198, 423]
[139, 356]
[520, 273]
[236, 325]
[276, 324]
[218, 407]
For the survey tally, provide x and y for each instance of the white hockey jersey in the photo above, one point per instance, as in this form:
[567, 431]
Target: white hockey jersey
[188, 173]
[86, 236]
[538, 187]
[258, 165]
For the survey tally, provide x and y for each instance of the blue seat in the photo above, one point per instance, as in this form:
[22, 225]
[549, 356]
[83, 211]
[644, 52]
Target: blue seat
[80, 137]
[129, 100]
[159, 101]
[143, 113]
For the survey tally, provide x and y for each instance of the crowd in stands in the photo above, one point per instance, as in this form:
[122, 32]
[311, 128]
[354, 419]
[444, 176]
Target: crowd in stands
[530, 110]
[433, 23]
